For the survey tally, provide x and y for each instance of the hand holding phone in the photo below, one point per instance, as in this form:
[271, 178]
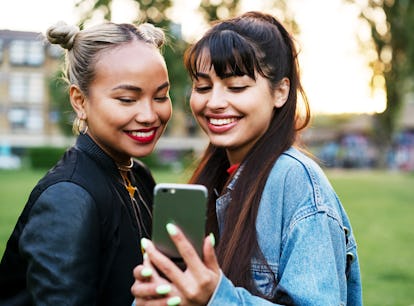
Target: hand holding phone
[184, 205]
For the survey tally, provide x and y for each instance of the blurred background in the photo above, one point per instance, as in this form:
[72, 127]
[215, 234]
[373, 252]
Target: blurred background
[357, 67]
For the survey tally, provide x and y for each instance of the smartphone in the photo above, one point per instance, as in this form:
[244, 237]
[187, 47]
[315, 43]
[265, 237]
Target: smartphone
[184, 205]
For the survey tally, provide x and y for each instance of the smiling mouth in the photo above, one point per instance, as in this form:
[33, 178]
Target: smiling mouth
[222, 121]
[143, 136]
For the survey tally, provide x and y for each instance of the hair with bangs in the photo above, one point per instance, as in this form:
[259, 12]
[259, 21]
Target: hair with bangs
[227, 53]
[253, 43]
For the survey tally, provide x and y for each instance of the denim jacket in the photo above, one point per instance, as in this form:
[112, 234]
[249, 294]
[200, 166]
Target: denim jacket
[305, 237]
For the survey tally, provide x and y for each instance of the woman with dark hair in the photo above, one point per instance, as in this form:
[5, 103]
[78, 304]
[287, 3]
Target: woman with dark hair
[282, 234]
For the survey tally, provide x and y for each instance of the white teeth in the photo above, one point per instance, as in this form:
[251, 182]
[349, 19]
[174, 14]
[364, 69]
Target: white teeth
[143, 134]
[223, 121]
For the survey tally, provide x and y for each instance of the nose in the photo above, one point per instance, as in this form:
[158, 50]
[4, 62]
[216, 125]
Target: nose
[217, 98]
[145, 113]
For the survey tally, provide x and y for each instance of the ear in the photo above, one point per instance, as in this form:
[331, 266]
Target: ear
[281, 92]
[77, 99]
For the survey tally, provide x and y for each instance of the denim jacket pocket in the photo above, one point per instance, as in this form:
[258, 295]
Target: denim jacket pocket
[265, 277]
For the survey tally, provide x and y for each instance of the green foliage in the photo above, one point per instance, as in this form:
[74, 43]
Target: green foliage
[103, 6]
[394, 60]
[180, 82]
[60, 102]
[218, 9]
[44, 157]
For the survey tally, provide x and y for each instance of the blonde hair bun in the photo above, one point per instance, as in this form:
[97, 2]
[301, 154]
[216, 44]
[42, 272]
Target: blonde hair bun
[62, 34]
[152, 34]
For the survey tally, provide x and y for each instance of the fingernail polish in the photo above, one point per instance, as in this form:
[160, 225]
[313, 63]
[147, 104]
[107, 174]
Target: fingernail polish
[146, 272]
[144, 243]
[171, 229]
[163, 289]
[174, 301]
[145, 256]
[212, 239]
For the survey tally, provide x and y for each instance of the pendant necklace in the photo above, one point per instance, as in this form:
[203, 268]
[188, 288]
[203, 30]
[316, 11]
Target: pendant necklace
[124, 170]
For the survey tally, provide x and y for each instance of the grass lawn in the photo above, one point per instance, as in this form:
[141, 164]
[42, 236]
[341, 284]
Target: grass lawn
[381, 208]
[379, 204]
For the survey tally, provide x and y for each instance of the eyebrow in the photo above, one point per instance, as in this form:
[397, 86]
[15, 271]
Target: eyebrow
[202, 75]
[139, 89]
[166, 84]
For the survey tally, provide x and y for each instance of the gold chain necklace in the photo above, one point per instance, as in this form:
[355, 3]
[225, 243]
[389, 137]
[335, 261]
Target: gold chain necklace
[125, 168]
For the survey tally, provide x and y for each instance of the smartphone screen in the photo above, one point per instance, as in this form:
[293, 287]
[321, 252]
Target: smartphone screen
[184, 205]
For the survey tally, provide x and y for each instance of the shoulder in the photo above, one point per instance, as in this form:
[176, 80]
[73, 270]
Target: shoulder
[294, 166]
[66, 198]
[301, 180]
[64, 207]
[293, 159]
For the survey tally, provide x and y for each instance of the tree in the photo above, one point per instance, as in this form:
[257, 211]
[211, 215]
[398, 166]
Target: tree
[214, 10]
[391, 23]
[61, 103]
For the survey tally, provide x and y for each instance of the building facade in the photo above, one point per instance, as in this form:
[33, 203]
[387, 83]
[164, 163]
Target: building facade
[27, 63]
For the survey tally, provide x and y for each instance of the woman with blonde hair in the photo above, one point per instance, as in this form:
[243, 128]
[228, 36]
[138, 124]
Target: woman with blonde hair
[77, 239]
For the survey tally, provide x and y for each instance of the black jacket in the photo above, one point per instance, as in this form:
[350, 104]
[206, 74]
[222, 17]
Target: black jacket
[78, 237]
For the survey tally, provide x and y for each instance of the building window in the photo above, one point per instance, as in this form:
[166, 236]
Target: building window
[26, 53]
[35, 54]
[26, 87]
[17, 52]
[17, 118]
[36, 88]
[17, 87]
[26, 119]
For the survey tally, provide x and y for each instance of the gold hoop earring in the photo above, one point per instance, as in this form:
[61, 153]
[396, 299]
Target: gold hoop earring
[80, 126]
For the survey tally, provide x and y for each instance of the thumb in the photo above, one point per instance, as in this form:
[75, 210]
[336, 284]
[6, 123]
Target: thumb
[209, 254]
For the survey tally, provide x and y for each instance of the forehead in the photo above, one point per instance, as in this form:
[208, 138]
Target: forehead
[131, 62]
[130, 51]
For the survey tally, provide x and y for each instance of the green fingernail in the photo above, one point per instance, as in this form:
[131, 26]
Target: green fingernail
[145, 256]
[171, 229]
[163, 289]
[146, 272]
[174, 301]
[212, 239]
[144, 243]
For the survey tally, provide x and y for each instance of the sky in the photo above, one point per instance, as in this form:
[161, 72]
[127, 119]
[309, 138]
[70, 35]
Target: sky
[334, 71]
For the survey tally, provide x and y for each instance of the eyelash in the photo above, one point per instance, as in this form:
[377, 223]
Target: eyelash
[161, 99]
[157, 99]
[126, 100]
[237, 88]
[203, 89]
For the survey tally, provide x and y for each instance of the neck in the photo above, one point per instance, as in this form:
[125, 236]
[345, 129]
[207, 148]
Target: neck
[125, 166]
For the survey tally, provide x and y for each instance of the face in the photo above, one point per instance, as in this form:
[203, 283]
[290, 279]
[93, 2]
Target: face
[128, 105]
[234, 111]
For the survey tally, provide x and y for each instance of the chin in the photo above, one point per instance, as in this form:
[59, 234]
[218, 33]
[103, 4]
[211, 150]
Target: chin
[143, 153]
[221, 144]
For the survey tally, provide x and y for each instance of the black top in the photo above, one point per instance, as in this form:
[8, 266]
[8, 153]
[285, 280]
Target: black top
[78, 237]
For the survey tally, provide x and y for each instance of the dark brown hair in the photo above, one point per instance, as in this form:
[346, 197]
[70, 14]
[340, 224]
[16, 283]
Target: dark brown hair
[251, 43]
